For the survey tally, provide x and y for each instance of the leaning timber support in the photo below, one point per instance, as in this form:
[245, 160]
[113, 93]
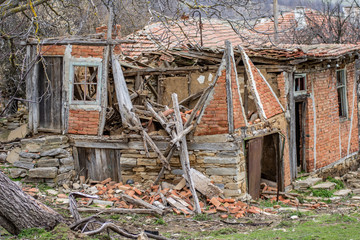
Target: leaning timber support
[184, 155]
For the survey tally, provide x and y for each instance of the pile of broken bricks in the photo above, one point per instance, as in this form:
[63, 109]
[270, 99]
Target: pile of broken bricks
[160, 199]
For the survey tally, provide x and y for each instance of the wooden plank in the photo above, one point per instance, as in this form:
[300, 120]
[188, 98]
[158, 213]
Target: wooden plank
[178, 205]
[76, 160]
[98, 165]
[229, 98]
[50, 93]
[101, 145]
[122, 92]
[118, 165]
[192, 97]
[87, 42]
[204, 185]
[254, 166]
[184, 155]
[30, 58]
[118, 211]
[103, 83]
[142, 203]
[34, 94]
[292, 134]
[104, 164]
[90, 163]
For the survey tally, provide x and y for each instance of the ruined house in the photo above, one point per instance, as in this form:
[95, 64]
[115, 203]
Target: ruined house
[254, 114]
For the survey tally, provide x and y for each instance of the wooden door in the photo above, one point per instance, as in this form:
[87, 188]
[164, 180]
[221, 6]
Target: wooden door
[50, 84]
[254, 155]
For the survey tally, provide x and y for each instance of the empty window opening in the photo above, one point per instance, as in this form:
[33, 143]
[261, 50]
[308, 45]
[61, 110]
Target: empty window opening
[341, 90]
[85, 83]
[300, 83]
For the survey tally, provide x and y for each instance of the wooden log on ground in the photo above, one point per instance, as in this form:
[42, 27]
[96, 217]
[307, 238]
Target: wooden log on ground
[142, 203]
[19, 211]
[118, 211]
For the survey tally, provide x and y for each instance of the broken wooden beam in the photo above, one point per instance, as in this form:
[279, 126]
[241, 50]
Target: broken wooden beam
[184, 155]
[142, 203]
[118, 211]
[204, 185]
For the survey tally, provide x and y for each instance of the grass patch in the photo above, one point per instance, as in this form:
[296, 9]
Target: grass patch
[324, 193]
[43, 187]
[339, 184]
[202, 217]
[268, 203]
[160, 221]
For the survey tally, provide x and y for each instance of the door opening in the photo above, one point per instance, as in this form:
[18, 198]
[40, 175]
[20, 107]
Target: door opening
[50, 84]
[263, 161]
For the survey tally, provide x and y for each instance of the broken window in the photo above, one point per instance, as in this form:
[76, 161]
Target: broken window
[85, 83]
[341, 90]
[300, 83]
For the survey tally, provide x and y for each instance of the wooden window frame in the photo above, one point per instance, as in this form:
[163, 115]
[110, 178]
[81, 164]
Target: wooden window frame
[342, 89]
[300, 92]
[98, 87]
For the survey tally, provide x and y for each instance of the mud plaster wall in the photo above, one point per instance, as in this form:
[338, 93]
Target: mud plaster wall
[330, 138]
[172, 85]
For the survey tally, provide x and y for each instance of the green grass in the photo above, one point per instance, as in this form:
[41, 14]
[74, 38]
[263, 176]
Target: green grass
[202, 217]
[324, 193]
[43, 187]
[268, 203]
[339, 184]
[335, 226]
[159, 221]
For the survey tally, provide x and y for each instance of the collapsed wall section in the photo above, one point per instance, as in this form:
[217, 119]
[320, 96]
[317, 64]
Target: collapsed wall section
[222, 162]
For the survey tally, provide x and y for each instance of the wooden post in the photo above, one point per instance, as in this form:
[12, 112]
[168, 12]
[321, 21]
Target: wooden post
[229, 98]
[184, 155]
[34, 93]
[105, 75]
[30, 56]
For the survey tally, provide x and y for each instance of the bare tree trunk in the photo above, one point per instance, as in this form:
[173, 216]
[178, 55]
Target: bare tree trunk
[19, 211]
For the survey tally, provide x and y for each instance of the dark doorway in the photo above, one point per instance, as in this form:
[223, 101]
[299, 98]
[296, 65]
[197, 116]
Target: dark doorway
[50, 84]
[263, 161]
[300, 135]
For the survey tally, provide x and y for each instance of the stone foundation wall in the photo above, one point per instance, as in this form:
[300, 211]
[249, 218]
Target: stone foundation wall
[340, 168]
[44, 160]
[223, 163]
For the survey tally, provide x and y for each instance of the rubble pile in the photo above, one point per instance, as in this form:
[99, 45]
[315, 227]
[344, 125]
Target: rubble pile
[163, 198]
[14, 121]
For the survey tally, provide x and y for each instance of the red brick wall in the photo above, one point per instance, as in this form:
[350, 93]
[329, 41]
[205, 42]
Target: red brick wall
[281, 85]
[87, 51]
[268, 100]
[52, 50]
[77, 51]
[238, 110]
[215, 119]
[332, 132]
[83, 122]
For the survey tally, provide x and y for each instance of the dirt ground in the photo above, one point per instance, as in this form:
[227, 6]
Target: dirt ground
[212, 226]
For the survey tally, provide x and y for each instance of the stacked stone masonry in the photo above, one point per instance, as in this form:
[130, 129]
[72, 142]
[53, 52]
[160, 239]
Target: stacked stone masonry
[226, 168]
[44, 160]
